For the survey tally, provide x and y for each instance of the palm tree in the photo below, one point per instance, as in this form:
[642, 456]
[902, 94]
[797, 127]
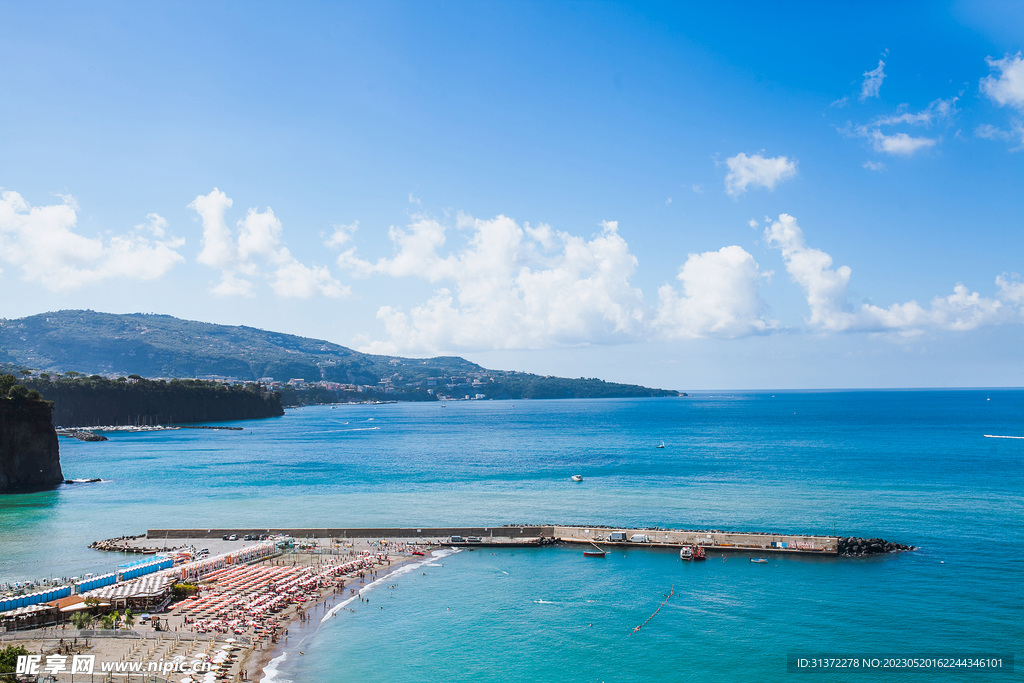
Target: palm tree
[82, 620]
[129, 618]
[109, 621]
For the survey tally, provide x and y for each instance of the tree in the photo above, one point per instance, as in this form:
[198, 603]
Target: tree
[9, 661]
[129, 618]
[82, 619]
[109, 621]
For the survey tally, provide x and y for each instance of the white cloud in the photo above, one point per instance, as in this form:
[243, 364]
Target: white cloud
[938, 110]
[1006, 88]
[1011, 291]
[990, 132]
[756, 170]
[42, 243]
[697, 188]
[898, 143]
[874, 166]
[509, 292]
[342, 234]
[827, 295]
[293, 279]
[872, 84]
[515, 286]
[720, 298]
[257, 252]
[218, 249]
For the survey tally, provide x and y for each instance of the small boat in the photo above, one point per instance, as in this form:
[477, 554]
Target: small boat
[698, 553]
[758, 559]
[661, 445]
[686, 553]
[418, 552]
[577, 477]
[594, 553]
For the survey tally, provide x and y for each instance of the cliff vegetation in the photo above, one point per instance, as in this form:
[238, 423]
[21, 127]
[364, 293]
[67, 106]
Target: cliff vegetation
[81, 401]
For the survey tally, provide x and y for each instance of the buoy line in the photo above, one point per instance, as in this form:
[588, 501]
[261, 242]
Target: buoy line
[671, 592]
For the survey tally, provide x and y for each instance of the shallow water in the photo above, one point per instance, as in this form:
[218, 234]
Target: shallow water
[906, 466]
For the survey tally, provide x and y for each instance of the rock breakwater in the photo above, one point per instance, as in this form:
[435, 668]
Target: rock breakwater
[122, 544]
[851, 546]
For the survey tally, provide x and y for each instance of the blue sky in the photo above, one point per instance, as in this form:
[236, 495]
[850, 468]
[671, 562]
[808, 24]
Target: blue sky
[742, 195]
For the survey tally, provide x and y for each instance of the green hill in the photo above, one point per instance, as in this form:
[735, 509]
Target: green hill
[163, 346]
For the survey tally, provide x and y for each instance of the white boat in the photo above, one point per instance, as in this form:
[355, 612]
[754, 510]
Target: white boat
[758, 560]
[686, 553]
[661, 445]
[577, 477]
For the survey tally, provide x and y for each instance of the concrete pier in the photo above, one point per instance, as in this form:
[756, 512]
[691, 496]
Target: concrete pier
[725, 541]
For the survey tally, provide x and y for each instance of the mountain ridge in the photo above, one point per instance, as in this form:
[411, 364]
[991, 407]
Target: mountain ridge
[157, 345]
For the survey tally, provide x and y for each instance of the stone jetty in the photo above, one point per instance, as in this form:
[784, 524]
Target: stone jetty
[852, 546]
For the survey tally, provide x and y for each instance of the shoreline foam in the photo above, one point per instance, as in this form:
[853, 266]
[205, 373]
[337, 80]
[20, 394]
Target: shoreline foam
[268, 665]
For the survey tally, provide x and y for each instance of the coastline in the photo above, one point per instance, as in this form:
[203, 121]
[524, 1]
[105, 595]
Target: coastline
[266, 663]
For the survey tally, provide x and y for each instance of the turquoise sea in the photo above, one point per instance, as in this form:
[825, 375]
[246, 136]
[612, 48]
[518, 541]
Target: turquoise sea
[907, 466]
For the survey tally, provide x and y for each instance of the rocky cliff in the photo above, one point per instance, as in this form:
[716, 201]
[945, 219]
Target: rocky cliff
[29, 456]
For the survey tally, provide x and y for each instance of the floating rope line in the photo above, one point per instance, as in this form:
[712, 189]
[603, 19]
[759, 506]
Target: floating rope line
[657, 610]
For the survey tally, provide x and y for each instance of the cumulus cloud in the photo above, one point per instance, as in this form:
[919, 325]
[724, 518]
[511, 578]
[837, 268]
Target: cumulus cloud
[513, 287]
[756, 170]
[1007, 86]
[41, 241]
[827, 294]
[520, 286]
[874, 166]
[720, 297]
[256, 251]
[872, 84]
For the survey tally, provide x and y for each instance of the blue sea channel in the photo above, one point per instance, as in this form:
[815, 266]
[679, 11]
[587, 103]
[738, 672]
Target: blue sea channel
[907, 466]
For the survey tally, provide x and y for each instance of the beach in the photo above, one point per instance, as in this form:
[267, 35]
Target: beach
[215, 628]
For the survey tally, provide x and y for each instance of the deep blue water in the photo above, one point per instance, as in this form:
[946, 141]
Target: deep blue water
[909, 466]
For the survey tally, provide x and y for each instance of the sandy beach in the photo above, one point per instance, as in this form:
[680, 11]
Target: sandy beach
[198, 629]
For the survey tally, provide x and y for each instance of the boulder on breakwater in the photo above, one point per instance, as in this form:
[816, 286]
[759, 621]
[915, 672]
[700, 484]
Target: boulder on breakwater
[852, 546]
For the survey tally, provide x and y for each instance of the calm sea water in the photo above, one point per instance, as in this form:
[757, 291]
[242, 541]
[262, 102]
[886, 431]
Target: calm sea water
[908, 466]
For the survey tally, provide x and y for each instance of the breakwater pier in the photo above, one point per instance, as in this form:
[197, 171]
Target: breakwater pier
[725, 541]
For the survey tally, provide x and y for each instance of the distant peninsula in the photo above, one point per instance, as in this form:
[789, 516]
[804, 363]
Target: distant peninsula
[302, 370]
